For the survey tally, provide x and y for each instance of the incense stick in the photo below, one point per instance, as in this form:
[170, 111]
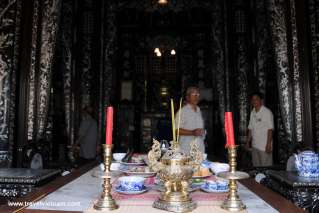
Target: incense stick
[173, 120]
[179, 118]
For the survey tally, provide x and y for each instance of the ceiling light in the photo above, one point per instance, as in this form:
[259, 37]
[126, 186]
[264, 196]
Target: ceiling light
[156, 50]
[162, 1]
[158, 54]
[173, 52]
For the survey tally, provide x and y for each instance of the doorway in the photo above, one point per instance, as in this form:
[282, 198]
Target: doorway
[159, 55]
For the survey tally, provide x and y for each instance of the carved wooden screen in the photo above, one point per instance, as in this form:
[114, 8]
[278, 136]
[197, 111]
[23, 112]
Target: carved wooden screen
[170, 62]
[155, 65]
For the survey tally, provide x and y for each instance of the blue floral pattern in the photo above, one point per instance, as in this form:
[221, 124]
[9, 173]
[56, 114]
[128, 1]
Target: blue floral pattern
[215, 185]
[129, 186]
[307, 164]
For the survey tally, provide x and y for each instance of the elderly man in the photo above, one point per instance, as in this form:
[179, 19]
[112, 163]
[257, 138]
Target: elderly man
[260, 130]
[191, 122]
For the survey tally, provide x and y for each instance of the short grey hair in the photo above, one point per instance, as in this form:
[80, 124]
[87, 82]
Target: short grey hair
[190, 90]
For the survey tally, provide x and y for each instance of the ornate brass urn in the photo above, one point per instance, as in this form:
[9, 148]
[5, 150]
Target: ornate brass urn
[175, 170]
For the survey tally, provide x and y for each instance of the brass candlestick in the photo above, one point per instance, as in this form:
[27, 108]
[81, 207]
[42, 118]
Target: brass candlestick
[233, 202]
[106, 200]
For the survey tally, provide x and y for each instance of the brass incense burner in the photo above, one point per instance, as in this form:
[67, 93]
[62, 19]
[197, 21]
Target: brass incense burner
[175, 169]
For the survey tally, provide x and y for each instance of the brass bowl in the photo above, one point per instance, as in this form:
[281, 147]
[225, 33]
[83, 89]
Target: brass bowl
[176, 170]
[175, 162]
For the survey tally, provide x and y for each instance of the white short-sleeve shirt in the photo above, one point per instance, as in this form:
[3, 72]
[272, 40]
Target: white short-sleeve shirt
[259, 124]
[190, 120]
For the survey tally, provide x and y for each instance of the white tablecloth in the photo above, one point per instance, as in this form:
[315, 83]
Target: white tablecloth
[80, 195]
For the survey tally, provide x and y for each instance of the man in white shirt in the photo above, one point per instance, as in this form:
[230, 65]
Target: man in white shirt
[88, 136]
[191, 122]
[260, 130]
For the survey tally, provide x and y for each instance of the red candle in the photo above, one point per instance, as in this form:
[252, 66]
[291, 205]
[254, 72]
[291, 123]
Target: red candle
[229, 129]
[109, 125]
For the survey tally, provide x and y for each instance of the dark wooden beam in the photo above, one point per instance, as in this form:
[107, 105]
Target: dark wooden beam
[23, 80]
[304, 59]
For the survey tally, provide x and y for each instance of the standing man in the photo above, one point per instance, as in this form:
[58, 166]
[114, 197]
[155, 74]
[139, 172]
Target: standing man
[260, 131]
[88, 139]
[191, 122]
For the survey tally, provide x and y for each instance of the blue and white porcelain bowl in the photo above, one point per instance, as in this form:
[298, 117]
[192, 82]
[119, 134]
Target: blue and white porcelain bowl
[222, 185]
[215, 186]
[131, 183]
[210, 185]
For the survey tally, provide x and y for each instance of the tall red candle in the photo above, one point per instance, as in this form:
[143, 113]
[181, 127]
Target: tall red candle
[229, 129]
[109, 125]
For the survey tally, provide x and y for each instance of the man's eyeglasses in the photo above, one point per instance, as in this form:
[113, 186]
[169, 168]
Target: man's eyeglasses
[195, 94]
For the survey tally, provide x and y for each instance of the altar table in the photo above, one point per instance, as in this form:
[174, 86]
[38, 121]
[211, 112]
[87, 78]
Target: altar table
[80, 194]
[80, 187]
